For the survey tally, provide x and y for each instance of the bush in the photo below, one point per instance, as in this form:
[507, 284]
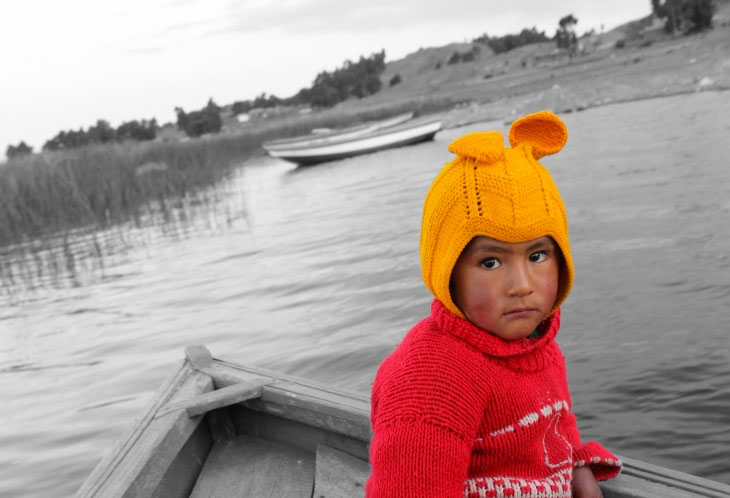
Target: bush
[197, 123]
[454, 59]
[685, 16]
[354, 79]
[468, 56]
[22, 149]
[102, 133]
[501, 44]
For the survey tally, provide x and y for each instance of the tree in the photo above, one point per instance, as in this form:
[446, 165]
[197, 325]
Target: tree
[182, 118]
[22, 149]
[68, 140]
[241, 107]
[323, 92]
[197, 123]
[102, 132]
[567, 21]
[263, 102]
[565, 36]
[354, 79]
[685, 16]
[212, 106]
[138, 130]
[501, 44]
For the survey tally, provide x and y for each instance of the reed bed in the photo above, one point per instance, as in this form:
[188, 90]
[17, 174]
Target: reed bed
[101, 185]
[53, 192]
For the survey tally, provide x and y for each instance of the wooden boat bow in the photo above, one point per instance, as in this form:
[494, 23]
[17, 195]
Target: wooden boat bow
[220, 429]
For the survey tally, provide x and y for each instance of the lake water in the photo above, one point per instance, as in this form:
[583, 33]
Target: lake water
[315, 272]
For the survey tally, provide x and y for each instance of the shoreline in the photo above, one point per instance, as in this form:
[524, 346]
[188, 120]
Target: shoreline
[456, 118]
[103, 185]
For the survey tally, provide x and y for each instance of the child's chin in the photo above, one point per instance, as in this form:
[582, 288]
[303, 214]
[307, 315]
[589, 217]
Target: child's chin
[513, 334]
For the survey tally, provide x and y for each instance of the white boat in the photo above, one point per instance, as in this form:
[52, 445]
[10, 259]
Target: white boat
[321, 135]
[339, 146]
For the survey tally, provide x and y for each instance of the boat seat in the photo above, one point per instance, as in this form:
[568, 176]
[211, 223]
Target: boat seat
[339, 475]
[247, 466]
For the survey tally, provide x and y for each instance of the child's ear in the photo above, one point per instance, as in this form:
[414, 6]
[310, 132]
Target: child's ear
[543, 131]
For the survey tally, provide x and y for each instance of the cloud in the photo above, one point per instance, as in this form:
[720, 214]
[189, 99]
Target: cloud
[332, 16]
[472, 17]
[145, 50]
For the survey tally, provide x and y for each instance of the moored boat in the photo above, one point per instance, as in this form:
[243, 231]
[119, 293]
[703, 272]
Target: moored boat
[321, 135]
[328, 148]
[220, 429]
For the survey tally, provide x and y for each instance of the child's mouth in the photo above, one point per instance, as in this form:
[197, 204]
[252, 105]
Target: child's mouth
[519, 313]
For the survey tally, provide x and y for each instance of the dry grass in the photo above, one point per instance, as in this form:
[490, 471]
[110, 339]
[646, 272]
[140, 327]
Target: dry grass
[100, 185]
[51, 193]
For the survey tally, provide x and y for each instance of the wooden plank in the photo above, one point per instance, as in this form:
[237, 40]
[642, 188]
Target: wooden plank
[248, 370]
[300, 400]
[221, 424]
[248, 466]
[150, 459]
[339, 475]
[224, 375]
[306, 437]
[200, 359]
[219, 398]
[315, 407]
[628, 486]
[198, 356]
[179, 478]
[640, 479]
[140, 461]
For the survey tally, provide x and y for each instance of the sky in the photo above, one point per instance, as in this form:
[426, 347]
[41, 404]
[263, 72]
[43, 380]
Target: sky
[65, 65]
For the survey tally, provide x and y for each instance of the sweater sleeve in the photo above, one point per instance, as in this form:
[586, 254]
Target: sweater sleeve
[416, 458]
[604, 464]
[426, 407]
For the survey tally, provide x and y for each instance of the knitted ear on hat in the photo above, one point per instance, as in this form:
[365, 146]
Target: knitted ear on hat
[543, 131]
[492, 191]
[485, 147]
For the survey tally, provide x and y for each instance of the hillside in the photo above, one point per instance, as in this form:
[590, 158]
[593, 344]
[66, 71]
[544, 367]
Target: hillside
[650, 63]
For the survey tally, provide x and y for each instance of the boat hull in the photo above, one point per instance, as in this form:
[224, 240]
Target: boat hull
[221, 429]
[339, 148]
[324, 136]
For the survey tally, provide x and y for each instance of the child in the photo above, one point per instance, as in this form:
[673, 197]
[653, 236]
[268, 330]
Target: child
[474, 402]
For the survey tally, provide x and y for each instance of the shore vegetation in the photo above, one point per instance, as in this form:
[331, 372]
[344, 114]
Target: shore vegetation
[122, 172]
[103, 184]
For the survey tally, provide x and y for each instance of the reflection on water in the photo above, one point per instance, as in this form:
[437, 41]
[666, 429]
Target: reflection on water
[315, 272]
[81, 257]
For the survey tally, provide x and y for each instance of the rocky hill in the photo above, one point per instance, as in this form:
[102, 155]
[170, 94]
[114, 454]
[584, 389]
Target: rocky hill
[633, 61]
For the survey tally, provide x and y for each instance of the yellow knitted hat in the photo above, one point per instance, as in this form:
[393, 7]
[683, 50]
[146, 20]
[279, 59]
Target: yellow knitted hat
[498, 192]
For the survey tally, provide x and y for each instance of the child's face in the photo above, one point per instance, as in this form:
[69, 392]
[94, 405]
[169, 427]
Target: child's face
[506, 289]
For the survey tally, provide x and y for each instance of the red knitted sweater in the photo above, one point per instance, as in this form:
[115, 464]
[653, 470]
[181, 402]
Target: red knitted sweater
[458, 412]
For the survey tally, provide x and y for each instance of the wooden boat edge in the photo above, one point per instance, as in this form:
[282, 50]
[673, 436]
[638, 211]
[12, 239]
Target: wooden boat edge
[176, 401]
[122, 466]
[297, 399]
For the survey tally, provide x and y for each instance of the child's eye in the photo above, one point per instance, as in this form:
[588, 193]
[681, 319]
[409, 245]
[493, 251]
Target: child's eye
[491, 263]
[539, 256]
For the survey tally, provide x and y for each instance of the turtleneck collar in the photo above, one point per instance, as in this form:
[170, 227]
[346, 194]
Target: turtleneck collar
[491, 344]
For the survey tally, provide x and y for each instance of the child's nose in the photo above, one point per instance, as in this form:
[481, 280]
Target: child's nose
[519, 281]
